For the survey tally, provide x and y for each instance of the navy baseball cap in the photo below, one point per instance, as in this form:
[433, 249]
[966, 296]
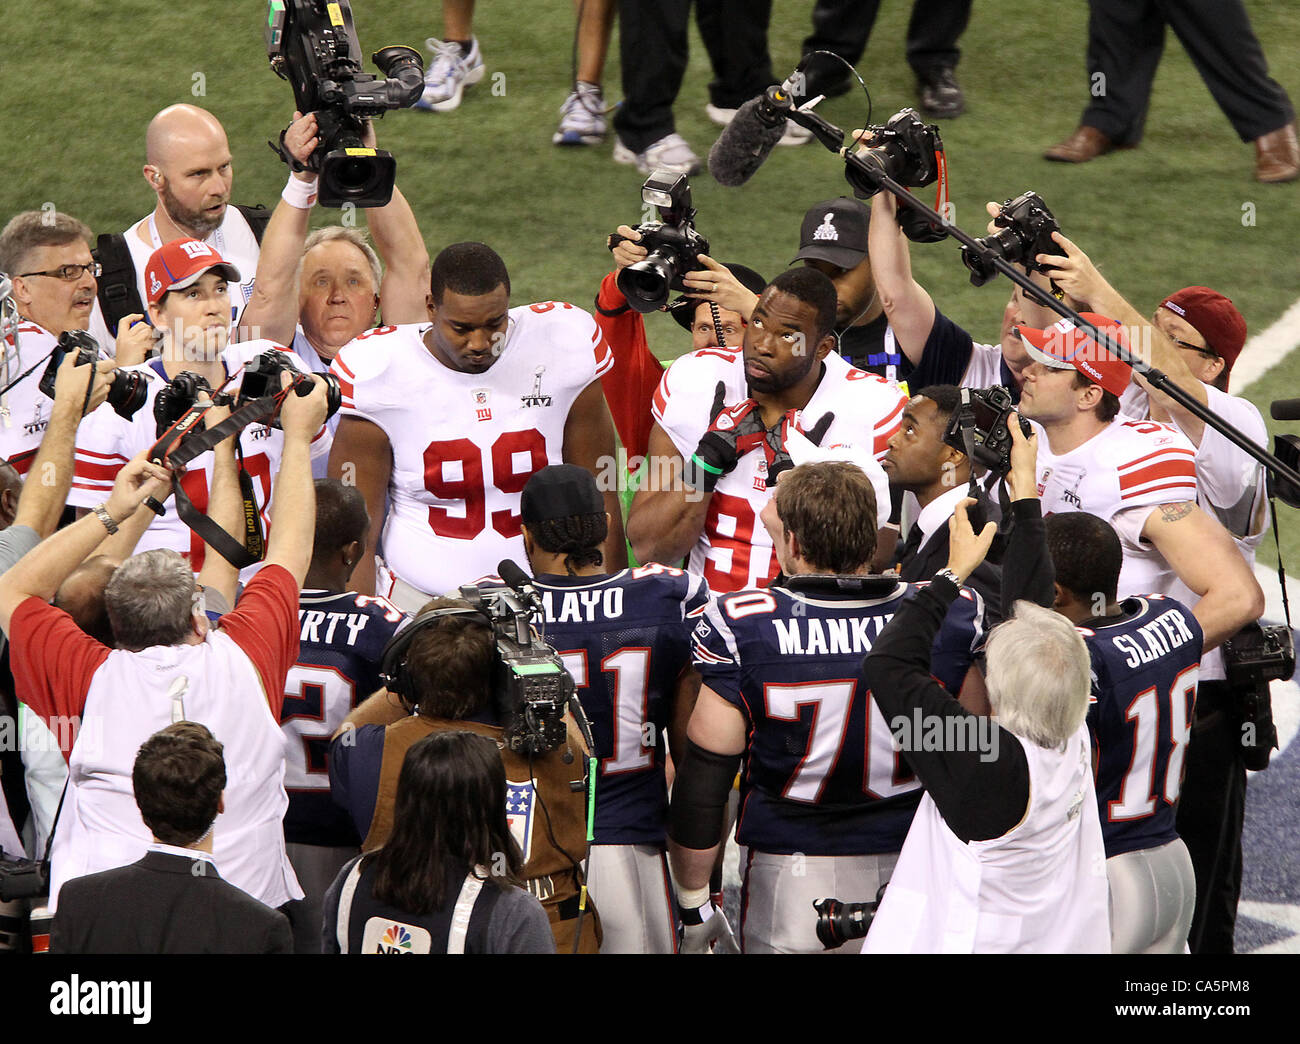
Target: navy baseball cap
[834, 230]
[559, 491]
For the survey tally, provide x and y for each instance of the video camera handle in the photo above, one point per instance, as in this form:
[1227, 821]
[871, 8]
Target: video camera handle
[1155, 377]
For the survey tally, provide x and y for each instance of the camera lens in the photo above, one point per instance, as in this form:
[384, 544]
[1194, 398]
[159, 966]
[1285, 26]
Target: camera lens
[366, 181]
[646, 283]
[1005, 243]
[126, 393]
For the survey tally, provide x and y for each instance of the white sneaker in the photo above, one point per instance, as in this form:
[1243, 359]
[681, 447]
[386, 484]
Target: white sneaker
[794, 134]
[448, 74]
[582, 118]
[670, 153]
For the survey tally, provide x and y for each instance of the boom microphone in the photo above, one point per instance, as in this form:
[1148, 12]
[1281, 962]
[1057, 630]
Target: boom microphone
[749, 138]
[520, 581]
[1285, 409]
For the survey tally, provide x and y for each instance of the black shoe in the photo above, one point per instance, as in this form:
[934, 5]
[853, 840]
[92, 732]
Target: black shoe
[941, 98]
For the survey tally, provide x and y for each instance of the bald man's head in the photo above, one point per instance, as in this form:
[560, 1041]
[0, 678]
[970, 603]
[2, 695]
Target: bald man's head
[187, 163]
[11, 488]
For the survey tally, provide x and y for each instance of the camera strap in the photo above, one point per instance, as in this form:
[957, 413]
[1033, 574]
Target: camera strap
[1281, 569]
[181, 444]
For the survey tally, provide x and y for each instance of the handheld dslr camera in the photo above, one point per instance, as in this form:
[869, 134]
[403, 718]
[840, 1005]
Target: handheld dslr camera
[673, 244]
[979, 428]
[838, 922]
[313, 44]
[262, 379]
[1026, 227]
[127, 390]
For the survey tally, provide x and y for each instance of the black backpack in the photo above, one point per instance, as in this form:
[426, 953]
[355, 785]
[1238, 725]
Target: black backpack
[118, 294]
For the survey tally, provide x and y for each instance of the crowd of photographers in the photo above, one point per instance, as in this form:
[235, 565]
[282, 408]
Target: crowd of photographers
[273, 659]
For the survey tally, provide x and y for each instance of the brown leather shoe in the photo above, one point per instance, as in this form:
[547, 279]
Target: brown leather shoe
[1277, 155]
[1084, 144]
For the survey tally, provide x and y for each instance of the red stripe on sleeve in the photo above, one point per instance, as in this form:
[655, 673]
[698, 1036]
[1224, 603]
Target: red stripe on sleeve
[265, 626]
[1159, 470]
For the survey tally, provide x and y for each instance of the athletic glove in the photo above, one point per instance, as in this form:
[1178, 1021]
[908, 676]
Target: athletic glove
[778, 460]
[733, 432]
[705, 930]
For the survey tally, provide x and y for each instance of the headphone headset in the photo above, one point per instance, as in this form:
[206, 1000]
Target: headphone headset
[393, 670]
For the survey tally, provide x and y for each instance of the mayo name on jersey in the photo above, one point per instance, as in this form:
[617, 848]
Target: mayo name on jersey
[106, 441]
[464, 444]
[1129, 464]
[341, 649]
[1145, 668]
[735, 550]
[625, 639]
[24, 408]
[822, 774]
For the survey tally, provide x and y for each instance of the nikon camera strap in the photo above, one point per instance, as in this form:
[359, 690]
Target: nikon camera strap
[186, 448]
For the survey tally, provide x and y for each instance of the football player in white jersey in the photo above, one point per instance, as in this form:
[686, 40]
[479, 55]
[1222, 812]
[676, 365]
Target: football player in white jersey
[189, 299]
[1139, 476]
[787, 365]
[47, 257]
[446, 421]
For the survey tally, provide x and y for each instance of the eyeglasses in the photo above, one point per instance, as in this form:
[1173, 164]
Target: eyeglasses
[1205, 350]
[69, 273]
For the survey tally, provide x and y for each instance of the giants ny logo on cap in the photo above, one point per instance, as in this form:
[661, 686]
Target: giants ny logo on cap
[194, 249]
[826, 230]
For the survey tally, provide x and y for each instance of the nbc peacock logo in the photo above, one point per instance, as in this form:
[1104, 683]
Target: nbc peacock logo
[396, 940]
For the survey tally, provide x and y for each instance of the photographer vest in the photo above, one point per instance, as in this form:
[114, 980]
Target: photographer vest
[546, 815]
[368, 925]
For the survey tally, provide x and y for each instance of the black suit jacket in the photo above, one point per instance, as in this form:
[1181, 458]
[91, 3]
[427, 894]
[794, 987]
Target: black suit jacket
[932, 556]
[161, 905]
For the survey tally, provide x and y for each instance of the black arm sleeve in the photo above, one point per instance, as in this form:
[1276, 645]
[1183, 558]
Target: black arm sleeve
[1026, 565]
[981, 791]
[698, 811]
[945, 357]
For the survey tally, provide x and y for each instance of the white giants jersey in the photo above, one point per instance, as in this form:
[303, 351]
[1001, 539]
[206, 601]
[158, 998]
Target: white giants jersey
[1039, 888]
[24, 408]
[464, 444]
[1129, 464]
[106, 441]
[735, 550]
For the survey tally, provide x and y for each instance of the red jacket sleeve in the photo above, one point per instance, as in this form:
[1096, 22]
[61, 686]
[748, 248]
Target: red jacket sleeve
[265, 626]
[635, 376]
[52, 659]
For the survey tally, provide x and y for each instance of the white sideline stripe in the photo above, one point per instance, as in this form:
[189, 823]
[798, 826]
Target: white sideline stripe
[1267, 348]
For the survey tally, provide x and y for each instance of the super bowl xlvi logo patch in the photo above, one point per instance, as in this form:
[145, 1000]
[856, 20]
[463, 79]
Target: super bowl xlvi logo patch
[482, 411]
[536, 398]
[155, 284]
[258, 432]
[826, 230]
[521, 799]
[394, 937]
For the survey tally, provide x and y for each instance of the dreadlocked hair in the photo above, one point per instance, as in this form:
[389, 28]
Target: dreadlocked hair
[576, 537]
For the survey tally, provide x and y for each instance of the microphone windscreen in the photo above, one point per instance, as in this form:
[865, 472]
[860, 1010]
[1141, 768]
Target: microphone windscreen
[512, 574]
[744, 144]
[1285, 409]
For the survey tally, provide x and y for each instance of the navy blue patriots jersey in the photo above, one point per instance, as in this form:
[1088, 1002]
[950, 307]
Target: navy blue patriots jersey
[1144, 672]
[341, 646]
[625, 638]
[821, 774]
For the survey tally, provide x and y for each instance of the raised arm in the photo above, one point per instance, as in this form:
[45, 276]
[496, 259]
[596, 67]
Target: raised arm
[225, 508]
[667, 516]
[45, 491]
[293, 507]
[272, 311]
[362, 457]
[1205, 558]
[909, 308]
[589, 443]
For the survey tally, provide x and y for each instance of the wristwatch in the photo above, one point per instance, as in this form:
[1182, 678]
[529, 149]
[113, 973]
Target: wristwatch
[101, 513]
[948, 574]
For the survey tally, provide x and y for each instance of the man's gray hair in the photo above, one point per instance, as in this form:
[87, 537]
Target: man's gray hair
[357, 237]
[1039, 675]
[150, 600]
[31, 229]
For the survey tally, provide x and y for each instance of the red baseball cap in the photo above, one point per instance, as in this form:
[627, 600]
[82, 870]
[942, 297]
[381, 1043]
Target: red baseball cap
[1214, 317]
[1064, 346]
[179, 264]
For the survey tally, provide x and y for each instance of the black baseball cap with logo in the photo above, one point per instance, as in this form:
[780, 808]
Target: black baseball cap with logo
[834, 230]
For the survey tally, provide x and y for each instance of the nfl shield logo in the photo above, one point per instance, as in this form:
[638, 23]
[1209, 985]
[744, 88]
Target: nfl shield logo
[520, 799]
